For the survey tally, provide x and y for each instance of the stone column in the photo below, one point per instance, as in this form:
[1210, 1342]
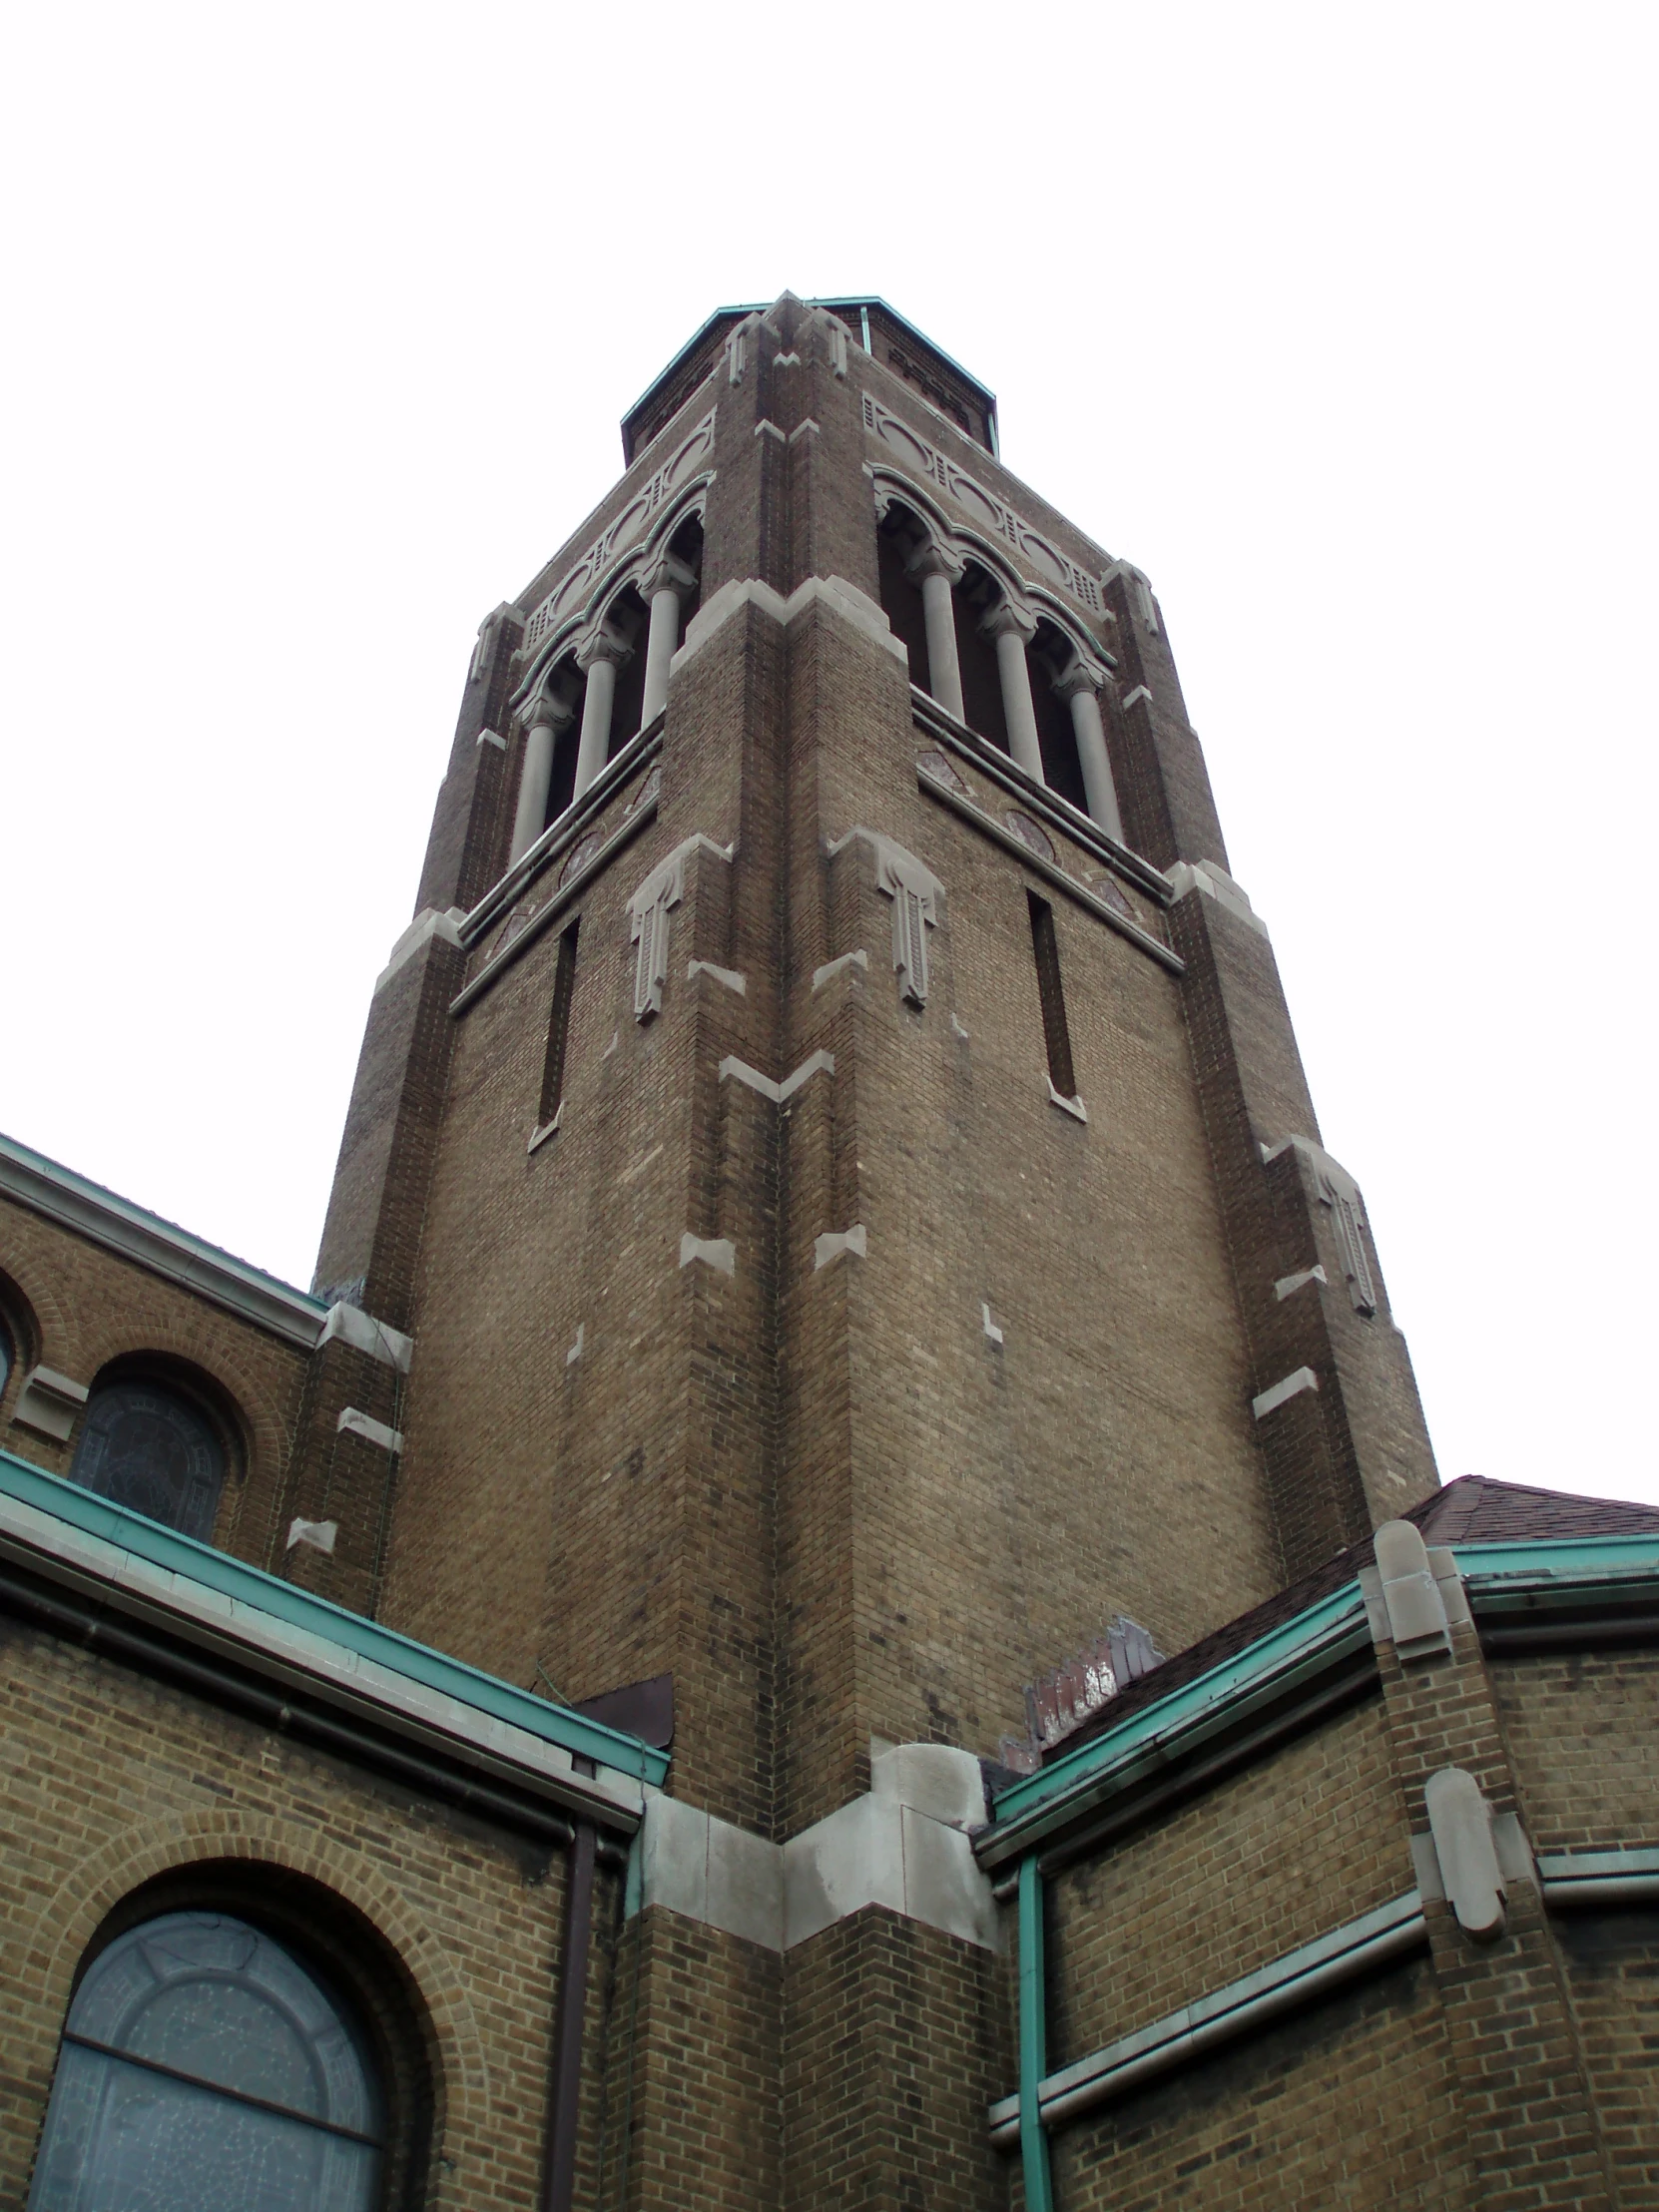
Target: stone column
[664, 586]
[937, 570]
[1081, 685]
[601, 654]
[542, 723]
[1011, 629]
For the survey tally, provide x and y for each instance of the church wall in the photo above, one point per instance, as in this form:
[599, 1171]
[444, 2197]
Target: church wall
[700, 2011]
[894, 2049]
[1580, 1730]
[113, 1780]
[1013, 1486]
[634, 1473]
[1611, 1963]
[88, 1306]
[1349, 2104]
[1297, 1845]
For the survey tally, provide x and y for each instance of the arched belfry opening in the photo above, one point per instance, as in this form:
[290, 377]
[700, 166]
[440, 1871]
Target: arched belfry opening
[629, 618]
[1049, 655]
[898, 539]
[978, 594]
[686, 547]
[559, 710]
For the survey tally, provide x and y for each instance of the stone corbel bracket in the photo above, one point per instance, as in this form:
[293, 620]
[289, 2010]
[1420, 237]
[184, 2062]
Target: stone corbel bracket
[1470, 1855]
[1414, 1596]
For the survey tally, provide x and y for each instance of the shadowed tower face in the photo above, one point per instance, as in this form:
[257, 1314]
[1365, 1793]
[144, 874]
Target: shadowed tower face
[833, 1128]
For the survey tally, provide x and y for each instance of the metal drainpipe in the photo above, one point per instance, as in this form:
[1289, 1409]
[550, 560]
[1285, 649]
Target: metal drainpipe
[1033, 2038]
[564, 2088]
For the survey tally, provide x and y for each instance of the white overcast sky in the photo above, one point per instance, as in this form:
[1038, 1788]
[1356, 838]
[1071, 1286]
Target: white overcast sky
[1337, 320]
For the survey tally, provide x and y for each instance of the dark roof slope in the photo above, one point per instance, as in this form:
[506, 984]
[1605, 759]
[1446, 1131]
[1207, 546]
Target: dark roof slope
[1471, 1510]
[1475, 1512]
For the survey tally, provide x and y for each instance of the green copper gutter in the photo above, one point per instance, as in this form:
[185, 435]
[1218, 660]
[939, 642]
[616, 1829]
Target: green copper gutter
[1502, 1577]
[250, 1591]
[1506, 1582]
[1268, 1669]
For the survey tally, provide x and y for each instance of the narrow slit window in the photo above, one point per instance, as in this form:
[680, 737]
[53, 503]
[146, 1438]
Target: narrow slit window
[1056, 1036]
[558, 1028]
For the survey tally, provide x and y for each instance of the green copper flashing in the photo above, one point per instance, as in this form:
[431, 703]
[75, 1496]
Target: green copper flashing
[1502, 1579]
[1495, 1572]
[1315, 1640]
[261, 1594]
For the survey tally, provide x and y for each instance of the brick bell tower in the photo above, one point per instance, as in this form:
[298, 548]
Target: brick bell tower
[833, 1134]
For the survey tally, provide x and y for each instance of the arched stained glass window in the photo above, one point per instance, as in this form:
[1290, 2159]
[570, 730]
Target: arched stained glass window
[203, 2067]
[146, 1446]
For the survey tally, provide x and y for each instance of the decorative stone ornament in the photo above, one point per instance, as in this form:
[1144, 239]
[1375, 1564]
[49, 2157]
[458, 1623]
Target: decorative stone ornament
[1460, 1822]
[915, 894]
[648, 913]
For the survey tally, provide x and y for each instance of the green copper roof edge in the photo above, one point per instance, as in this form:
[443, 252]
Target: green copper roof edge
[266, 1594]
[1556, 1563]
[1030, 1809]
[1268, 1662]
[840, 299]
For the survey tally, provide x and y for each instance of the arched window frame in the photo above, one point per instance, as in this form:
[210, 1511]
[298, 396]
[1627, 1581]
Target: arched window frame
[201, 1393]
[339, 1948]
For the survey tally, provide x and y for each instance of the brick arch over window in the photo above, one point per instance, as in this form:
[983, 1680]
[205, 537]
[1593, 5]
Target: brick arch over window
[221, 1853]
[46, 1323]
[19, 1340]
[164, 1437]
[213, 1363]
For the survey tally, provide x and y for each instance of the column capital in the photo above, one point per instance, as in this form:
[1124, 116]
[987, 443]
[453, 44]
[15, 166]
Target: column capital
[1079, 675]
[547, 712]
[931, 558]
[603, 644]
[667, 574]
[1006, 620]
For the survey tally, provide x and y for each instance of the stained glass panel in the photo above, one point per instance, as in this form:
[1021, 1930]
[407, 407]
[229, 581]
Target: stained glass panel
[230, 2026]
[144, 1447]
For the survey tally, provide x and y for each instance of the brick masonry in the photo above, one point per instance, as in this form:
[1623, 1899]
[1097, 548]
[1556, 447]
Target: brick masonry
[850, 1492]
